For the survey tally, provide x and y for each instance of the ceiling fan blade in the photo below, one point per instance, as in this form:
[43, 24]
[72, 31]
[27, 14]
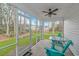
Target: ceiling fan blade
[54, 13]
[55, 10]
[45, 11]
[46, 14]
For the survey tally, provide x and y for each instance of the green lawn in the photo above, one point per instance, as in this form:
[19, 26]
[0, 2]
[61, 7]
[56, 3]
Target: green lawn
[6, 51]
[22, 41]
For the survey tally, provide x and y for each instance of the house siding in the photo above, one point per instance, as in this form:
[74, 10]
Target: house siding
[71, 31]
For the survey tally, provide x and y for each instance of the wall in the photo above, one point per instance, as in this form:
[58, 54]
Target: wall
[71, 31]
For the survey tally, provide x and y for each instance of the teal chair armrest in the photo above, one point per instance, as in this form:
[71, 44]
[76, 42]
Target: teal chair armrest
[52, 52]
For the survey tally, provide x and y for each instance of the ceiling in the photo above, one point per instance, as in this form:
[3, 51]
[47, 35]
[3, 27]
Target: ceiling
[66, 10]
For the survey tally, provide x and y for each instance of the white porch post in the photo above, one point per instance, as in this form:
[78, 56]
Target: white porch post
[17, 36]
[63, 26]
[36, 30]
[42, 30]
[30, 33]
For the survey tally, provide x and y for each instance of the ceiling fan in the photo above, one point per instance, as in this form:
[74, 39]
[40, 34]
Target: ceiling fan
[50, 12]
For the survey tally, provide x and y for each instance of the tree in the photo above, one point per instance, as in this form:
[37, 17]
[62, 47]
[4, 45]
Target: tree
[6, 16]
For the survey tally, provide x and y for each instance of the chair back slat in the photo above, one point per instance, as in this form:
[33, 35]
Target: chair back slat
[67, 45]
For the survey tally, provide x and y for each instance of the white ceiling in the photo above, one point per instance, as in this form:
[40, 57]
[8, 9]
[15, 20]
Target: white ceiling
[66, 10]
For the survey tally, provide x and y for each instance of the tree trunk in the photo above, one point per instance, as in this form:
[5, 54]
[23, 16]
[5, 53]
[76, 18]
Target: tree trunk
[14, 19]
[7, 32]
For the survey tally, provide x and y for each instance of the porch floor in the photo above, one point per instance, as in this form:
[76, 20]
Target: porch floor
[38, 49]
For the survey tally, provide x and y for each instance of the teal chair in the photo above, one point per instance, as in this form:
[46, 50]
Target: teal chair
[55, 52]
[59, 34]
[57, 42]
[52, 52]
